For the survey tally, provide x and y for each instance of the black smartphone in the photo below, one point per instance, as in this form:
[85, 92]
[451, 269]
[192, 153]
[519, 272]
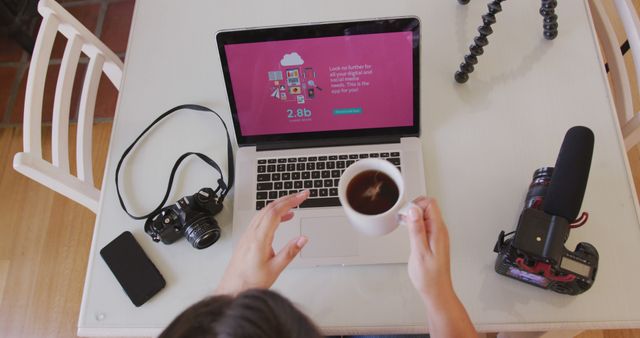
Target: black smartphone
[135, 272]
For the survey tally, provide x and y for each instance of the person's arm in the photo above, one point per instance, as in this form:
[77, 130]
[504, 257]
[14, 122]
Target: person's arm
[429, 270]
[254, 264]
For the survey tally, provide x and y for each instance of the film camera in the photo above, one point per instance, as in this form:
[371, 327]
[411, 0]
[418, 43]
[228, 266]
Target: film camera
[191, 217]
[535, 253]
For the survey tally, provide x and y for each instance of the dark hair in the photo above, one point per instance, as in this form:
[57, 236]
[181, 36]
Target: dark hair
[254, 313]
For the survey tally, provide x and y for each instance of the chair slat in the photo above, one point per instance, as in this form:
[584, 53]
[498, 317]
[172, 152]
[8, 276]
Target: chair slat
[34, 92]
[622, 92]
[71, 26]
[56, 175]
[85, 119]
[113, 70]
[617, 68]
[631, 23]
[62, 103]
[44, 173]
[631, 132]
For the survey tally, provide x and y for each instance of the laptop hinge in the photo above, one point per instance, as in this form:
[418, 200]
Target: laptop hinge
[333, 142]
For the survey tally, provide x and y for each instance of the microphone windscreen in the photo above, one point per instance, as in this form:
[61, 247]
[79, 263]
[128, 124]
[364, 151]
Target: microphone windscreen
[570, 175]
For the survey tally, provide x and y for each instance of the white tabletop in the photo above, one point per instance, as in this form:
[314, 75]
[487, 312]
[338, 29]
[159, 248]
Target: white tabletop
[482, 141]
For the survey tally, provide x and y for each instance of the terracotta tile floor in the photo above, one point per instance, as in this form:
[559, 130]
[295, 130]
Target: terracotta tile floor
[109, 20]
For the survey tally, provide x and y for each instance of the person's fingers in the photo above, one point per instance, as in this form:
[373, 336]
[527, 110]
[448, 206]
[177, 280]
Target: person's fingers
[433, 218]
[417, 232]
[288, 253]
[425, 203]
[286, 203]
[257, 219]
[256, 222]
[432, 212]
[276, 210]
[421, 201]
[436, 229]
[288, 216]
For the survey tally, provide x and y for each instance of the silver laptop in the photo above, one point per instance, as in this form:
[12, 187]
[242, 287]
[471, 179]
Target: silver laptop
[308, 101]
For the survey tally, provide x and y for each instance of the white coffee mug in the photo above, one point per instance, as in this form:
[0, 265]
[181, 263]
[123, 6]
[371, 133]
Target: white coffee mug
[378, 224]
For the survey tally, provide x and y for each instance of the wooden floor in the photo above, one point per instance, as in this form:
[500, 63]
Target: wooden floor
[45, 240]
[44, 245]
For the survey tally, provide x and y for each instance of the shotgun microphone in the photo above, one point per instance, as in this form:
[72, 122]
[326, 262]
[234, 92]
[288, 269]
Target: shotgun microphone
[535, 253]
[570, 175]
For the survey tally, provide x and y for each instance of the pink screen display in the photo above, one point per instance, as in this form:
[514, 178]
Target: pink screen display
[323, 84]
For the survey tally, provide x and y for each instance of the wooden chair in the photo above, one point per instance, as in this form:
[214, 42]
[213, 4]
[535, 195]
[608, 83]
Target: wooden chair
[621, 86]
[56, 174]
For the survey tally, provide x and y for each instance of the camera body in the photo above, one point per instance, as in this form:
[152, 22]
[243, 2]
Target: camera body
[190, 217]
[536, 253]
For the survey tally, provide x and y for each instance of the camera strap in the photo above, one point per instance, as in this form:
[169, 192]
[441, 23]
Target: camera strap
[223, 188]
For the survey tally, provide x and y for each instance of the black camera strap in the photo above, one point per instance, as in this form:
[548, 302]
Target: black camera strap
[223, 188]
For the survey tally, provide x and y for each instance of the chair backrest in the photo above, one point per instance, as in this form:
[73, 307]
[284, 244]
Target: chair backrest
[628, 118]
[56, 174]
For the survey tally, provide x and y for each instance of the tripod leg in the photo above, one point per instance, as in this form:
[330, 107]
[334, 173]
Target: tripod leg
[480, 41]
[550, 19]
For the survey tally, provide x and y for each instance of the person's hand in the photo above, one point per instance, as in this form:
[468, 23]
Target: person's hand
[430, 271]
[254, 263]
[428, 265]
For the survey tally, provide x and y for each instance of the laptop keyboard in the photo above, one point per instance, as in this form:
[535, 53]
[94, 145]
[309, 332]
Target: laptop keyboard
[320, 174]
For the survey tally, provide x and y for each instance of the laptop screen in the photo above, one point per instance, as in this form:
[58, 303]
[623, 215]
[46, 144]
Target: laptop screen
[359, 81]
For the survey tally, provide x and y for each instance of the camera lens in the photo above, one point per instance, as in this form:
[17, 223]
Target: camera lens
[203, 232]
[542, 173]
[538, 187]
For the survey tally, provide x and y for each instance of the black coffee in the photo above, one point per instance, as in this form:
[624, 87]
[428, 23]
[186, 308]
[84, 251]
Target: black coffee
[372, 192]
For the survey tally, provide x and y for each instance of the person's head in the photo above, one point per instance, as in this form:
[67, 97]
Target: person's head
[253, 313]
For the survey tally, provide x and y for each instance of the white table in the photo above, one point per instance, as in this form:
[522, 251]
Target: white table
[482, 142]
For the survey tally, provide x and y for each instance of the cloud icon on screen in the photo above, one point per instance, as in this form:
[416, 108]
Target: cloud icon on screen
[292, 59]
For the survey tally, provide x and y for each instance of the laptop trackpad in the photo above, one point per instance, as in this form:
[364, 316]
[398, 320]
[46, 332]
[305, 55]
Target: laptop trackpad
[328, 237]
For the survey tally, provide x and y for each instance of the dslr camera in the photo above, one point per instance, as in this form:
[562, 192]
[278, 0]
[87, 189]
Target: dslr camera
[191, 217]
[535, 253]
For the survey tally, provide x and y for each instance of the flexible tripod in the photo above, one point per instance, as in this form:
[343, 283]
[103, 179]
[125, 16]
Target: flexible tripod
[549, 25]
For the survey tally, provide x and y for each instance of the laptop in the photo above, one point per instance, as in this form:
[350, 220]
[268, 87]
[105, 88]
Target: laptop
[309, 100]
